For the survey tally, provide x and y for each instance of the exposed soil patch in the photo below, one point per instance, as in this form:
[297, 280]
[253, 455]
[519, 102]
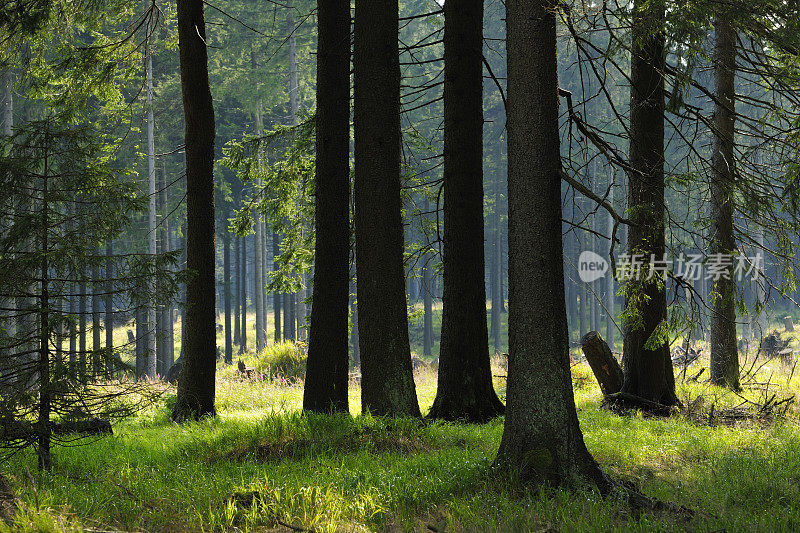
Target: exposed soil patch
[8, 502]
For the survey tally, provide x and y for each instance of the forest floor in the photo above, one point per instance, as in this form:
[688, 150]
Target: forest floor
[261, 466]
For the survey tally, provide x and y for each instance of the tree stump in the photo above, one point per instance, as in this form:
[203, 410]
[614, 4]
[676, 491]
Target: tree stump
[605, 367]
[787, 323]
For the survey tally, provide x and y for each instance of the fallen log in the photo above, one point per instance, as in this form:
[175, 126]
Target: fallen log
[605, 367]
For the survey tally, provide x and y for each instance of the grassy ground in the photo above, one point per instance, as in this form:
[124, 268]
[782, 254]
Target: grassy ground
[261, 464]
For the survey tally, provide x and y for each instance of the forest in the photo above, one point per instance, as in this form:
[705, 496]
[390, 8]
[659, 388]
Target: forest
[399, 265]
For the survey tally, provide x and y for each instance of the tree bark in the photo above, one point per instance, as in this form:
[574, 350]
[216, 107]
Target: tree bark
[109, 309]
[243, 296]
[151, 367]
[226, 267]
[465, 390]
[97, 353]
[387, 381]
[647, 364]
[604, 366]
[497, 260]
[277, 300]
[724, 365]
[258, 266]
[196, 386]
[610, 293]
[327, 365]
[237, 274]
[542, 441]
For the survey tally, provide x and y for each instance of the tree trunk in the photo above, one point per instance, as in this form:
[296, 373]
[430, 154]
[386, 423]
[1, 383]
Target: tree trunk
[82, 320]
[465, 390]
[97, 354]
[647, 364]
[610, 312]
[243, 296]
[724, 365]
[167, 334]
[43, 423]
[277, 299]
[196, 386]
[604, 366]
[109, 308]
[226, 267]
[237, 274]
[258, 266]
[497, 260]
[542, 442]
[354, 330]
[327, 365]
[151, 368]
[387, 381]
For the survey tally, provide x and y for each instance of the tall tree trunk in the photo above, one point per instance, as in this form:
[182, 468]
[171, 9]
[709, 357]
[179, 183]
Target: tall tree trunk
[427, 305]
[7, 129]
[648, 372]
[327, 365]
[277, 299]
[97, 353]
[237, 275]
[226, 266]
[387, 380]
[151, 368]
[542, 441]
[610, 328]
[243, 295]
[497, 260]
[82, 321]
[108, 322]
[196, 387]
[43, 423]
[289, 317]
[724, 351]
[354, 329]
[465, 390]
[294, 106]
[261, 339]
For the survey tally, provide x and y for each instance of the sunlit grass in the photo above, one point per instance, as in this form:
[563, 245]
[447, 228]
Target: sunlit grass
[260, 463]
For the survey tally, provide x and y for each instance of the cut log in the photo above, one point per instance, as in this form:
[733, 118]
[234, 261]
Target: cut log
[605, 367]
[788, 324]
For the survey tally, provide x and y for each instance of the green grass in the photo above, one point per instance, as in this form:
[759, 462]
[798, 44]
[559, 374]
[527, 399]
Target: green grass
[261, 462]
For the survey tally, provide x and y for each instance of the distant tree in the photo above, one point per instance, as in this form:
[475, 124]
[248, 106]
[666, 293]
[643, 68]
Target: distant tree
[542, 441]
[387, 383]
[646, 359]
[724, 349]
[465, 390]
[327, 366]
[196, 387]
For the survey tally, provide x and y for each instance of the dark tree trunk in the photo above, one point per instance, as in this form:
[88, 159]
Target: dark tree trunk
[497, 260]
[196, 386]
[109, 309]
[542, 441]
[288, 317]
[226, 267]
[97, 353]
[648, 372]
[82, 316]
[237, 275]
[243, 296]
[277, 300]
[465, 390]
[605, 368]
[387, 380]
[427, 305]
[724, 350]
[327, 365]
